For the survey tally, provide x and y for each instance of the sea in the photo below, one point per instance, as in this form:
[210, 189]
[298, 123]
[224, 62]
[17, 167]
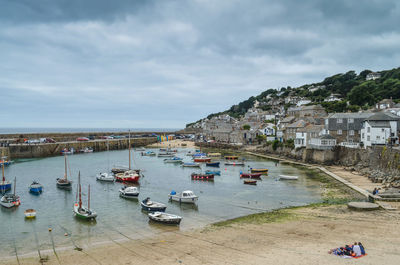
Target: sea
[120, 219]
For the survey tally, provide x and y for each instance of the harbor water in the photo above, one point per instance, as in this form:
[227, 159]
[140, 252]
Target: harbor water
[224, 198]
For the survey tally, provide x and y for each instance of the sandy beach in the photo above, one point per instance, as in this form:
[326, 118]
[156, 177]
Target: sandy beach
[173, 144]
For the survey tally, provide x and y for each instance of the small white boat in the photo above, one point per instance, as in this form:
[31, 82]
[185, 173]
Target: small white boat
[167, 154]
[141, 149]
[86, 150]
[286, 177]
[175, 159]
[105, 177]
[30, 213]
[231, 163]
[165, 218]
[190, 164]
[186, 196]
[10, 200]
[129, 192]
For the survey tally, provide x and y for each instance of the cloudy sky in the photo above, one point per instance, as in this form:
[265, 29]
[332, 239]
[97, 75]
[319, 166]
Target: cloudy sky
[152, 64]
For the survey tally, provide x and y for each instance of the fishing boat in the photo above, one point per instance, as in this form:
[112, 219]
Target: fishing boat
[199, 155]
[5, 185]
[130, 176]
[10, 200]
[202, 159]
[163, 149]
[250, 182]
[259, 170]
[212, 164]
[213, 172]
[36, 188]
[165, 218]
[150, 206]
[202, 176]
[86, 150]
[67, 151]
[141, 149]
[251, 175]
[231, 157]
[79, 210]
[234, 163]
[166, 154]
[105, 177]
[175, 159]
[64, 183]
[190, 165]
[5, 162]
[129, 192]
[214, 154]
[286, 177]
[148, 153]
[186, 196]
[30, 213]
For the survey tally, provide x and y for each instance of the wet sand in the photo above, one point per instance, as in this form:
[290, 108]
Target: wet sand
[301, 236]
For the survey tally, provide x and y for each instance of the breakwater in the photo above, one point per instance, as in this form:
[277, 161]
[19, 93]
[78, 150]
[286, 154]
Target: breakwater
[52, 149]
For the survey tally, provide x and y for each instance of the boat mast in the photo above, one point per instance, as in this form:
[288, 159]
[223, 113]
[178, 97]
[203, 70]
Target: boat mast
[129, 143]
[65, 166]
[80, 190]
[2, 170]
[15, 183]
[88, 204]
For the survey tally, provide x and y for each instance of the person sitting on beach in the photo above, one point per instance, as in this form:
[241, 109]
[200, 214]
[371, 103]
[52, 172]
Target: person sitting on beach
[375, 191]
[357, 249]
[361, 248]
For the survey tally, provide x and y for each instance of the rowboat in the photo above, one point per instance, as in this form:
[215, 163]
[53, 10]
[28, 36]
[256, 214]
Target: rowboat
[165, 218]
[129, 192]
[286, 177]
[30, 213]
[202, 159]
[151, 206]
[167, 154]
[250, 182]
[79, 210]
[148, 153]
[190, 165]
[105, 177]
[67, 151]
[36, 188]
[86, 150]
[128, 176]
[202, 176]
[213, 172]
[234, 163]
[212, 164]
[186, 196]
[231, 157]
[173, 160]
[10, 200]
[259, 170]
[64, 183]
[250, 176]
[5, 185]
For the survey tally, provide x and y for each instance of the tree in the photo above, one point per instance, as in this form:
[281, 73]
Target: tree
[363, 94]
[246, 127]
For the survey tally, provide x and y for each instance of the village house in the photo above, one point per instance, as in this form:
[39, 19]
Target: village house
[380, 129]
[384, 104]
[294, 111]
[315, 111]
[333, 98]
[302, 102]
[315, 88]
[304, 135]
[323, 142]
[372, 76]
[291, 129]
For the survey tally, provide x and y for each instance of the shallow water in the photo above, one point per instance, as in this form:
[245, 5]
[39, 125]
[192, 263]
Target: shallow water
[226, 197]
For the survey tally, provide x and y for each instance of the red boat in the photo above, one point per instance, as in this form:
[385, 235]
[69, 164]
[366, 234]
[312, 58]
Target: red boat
[202, 176]
[250, 176]
[250, 182]
[130, 176]
[202, 159]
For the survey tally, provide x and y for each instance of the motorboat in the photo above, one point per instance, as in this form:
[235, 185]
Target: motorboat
[190, 165]
[141, 149]
[165, 218]
[36, 188]
[214, 154]
[129, 192]
[202, 159]
[131, 176]
[148, 153]
[202, 176]
[150, 206]
[231, 157]
[231, 163]
[175, 159]
[166, 154]
[186, 196]
[86, 150]
[105, 177]
[286, 177]
[250, 175]
[67, 151]
[213, 172]
[30, 213]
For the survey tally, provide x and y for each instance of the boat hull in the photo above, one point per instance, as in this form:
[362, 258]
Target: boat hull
[213, 172]
[65, 185]
[234, 164]
[286, 177]
[202, 160]
[36, 190]
[209, 177]
[5, 186]
[259, 170]
[158, 207]
[251, 176]
[164, 218]
[192, 200]
[250, 182]
[214, 164]
[85, 214]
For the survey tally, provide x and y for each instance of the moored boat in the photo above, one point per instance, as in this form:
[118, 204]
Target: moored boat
[79, 210]
[259, 170]
[186, 196]
[5, 162]
[202, 176]
[86, 150]
[165, 218]
[213, 172]
[67, 151]
[190, 165]
[231, 157]
[129, 192]
[131, 176]
[5, 185]
[175, 159]
[30, 213]
[148, 153]
[105, 177]
[250, 175]
[234, 163]
[250, 182]
[166, 154]
[150, 206]
[141, 149]
[214, 154]
[202, 159]
[212, 164]
[286, 177]
[10, 200]
[36, 188]
[64, 183]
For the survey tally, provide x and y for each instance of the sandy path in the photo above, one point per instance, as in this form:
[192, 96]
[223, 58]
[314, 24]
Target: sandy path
[304, 240]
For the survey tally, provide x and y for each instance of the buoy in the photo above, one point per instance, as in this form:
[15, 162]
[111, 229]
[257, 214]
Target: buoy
[66, 234]
[225, 169]
[50, 229]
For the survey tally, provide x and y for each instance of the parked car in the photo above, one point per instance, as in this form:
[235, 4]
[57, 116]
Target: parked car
[106, 137]
[92, 137]
[82, 139]
[32, 141]
[47, 140]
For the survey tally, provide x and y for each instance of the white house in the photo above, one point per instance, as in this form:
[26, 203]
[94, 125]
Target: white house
[323, 142]
[384, 104]
[301, 139]
[268, 129]
[332, 98]
[373, 76]
[380, 129]
[302, 102]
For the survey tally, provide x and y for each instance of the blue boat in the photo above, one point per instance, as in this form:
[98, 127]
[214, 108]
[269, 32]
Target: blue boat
[212, 164]
[213, 172]
[36, 188]
[199, 154]
[5, 185]
[151, 206]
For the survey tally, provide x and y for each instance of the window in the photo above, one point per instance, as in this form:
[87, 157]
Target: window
[339, 132]
[363, 136]
[351, 132]
[351, 120]
[378, 137]
[339, 120]
[368, 138]
[326, 121]
[368, 129]
[383, 130]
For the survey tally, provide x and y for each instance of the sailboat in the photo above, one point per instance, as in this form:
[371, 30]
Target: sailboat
[81, 211]
[105, 176]
[5, 185]
[10, 200]
[129, 175]
[64, 183]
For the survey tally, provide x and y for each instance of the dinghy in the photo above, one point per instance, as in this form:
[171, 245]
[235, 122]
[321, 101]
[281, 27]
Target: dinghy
[30, 213]
[150, 206]
[79, 210]
[250, 182]
[212, 164]
[175, 159]
[259, 170]
[36, 188]
[190, 165]
[186, 196]
[250, 176]
[105, 177]
[165, 218]
[129, 192]
[286, 177]
[213, 172]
